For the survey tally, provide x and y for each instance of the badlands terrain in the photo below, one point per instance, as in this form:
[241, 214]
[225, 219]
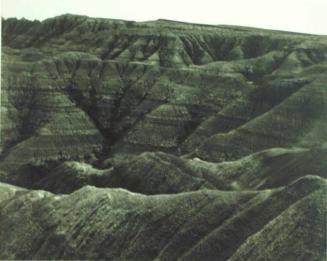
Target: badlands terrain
[161, 140]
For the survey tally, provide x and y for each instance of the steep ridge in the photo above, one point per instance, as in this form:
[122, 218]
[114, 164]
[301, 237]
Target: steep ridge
[299, 120]
[114, 224]
[161, 173]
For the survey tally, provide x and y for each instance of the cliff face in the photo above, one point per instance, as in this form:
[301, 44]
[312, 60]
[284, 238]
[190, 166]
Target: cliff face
[161, 107]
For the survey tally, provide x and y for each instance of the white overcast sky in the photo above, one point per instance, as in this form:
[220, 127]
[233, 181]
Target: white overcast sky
[309, 16]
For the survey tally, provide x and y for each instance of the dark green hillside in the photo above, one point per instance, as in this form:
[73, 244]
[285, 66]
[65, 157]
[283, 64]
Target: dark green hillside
[161, 140]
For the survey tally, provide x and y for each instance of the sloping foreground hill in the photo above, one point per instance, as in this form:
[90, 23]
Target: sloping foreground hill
[114, 224]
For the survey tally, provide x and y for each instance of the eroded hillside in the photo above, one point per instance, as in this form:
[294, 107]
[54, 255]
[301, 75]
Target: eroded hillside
[161, 140]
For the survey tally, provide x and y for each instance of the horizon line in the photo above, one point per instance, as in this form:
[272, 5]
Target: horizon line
[233, 26]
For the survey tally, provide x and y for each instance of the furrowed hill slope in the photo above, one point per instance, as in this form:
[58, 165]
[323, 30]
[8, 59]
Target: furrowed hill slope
[112, 86]
[161, 173]
[114, 224]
